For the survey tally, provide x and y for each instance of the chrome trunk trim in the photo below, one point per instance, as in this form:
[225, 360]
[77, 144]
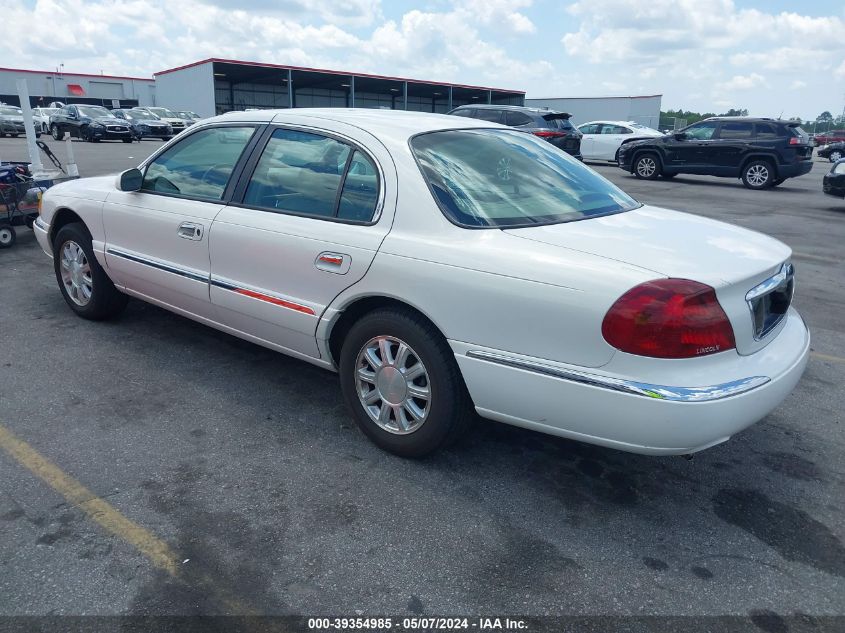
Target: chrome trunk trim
[632, 387]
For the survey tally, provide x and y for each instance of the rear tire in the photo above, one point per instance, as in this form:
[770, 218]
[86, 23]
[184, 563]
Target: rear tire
[84, 284]
[758, 174]
[380, 383]
[647, 166]
[7, 235]
[835, 156]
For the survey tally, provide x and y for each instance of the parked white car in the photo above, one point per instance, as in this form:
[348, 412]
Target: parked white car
[440, 265]
[602, 139]
[41, 119]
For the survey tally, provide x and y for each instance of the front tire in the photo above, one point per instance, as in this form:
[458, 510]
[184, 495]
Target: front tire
[57, 133]
[84, 284]
[647, 166]
[401, 381]
[758, 174]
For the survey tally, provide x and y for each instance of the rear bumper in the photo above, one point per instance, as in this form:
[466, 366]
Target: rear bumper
[621, 412]
[795, 169]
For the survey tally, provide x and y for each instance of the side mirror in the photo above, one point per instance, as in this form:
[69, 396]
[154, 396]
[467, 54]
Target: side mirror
[680, 136]
[130, 180]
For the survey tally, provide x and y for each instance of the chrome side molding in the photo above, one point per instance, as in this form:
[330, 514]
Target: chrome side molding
[659, 392]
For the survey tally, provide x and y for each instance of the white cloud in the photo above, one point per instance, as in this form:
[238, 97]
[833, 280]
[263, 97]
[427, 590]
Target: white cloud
[741, 82]
[797, 84]
[499, 13]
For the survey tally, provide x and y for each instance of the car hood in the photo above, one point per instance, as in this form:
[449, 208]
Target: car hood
[149, 122]
[109, 120]
[670, 243]
[15, 118]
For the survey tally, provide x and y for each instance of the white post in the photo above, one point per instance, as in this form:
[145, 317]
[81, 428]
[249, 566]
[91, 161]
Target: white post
[34, 156]
[72, 169]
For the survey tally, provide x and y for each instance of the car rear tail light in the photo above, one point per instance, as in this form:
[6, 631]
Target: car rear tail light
[669, 318]
[796, 140]
[547, 134]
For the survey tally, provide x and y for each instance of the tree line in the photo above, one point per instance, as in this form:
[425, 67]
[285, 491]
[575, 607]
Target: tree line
[825, 121]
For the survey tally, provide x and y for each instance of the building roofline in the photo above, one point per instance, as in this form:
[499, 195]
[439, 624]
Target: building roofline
[332, 72]
[63, 73]
[612, 97]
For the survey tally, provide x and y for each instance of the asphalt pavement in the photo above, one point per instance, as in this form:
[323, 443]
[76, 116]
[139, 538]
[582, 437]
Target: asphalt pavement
[245, 467]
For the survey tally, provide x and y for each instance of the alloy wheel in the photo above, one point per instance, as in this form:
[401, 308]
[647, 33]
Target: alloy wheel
[757, 175]
[393, 385]
[76, 273]
[835, 156]
[646, 166]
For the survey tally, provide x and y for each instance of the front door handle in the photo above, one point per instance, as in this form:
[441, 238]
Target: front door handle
[190, 231]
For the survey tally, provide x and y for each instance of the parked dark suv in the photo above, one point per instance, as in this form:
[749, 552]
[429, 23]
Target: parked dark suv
[761, 152]
[553, 126]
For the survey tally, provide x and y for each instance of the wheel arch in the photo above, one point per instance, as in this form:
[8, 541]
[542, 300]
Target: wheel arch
[62, 217]
[648, 149]
[769, 158]
[355, 308]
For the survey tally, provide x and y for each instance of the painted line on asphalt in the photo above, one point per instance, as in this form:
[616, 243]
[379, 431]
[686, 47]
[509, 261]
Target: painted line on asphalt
[101, 512]
[157, 551]
[828, 357]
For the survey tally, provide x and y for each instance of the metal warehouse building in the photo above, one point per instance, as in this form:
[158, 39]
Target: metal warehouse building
[215, 86]
[643, 110]
[45, 86]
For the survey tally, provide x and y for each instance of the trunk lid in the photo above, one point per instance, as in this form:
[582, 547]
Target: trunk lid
[731, 259]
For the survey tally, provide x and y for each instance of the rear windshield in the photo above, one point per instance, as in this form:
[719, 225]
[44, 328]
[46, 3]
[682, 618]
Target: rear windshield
[559, 124]
[505, 178]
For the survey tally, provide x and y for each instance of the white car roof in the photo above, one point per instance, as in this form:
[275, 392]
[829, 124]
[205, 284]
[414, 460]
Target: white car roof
[625, 123]
[391, 122]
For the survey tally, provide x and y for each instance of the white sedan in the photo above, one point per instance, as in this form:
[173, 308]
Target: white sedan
[41, 119]
[443, 267]
[602, 139]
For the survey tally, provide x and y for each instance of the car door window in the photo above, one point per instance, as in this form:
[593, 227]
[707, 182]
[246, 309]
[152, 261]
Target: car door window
[765, 131]
[359, 195]
[515, 119]
[302, 173]
[614, 129]
[738, 130]
[493, 116]
[701, 131]
[592, 128]
[200, 165]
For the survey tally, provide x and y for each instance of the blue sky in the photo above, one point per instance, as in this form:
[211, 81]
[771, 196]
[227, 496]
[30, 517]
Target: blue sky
[773, 58]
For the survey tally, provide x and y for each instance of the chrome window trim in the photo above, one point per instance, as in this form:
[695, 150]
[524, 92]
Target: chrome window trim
[783, 276]
[631, 387]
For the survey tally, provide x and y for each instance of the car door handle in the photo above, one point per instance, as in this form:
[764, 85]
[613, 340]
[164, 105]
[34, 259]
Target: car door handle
[190, 231]
[337, 263]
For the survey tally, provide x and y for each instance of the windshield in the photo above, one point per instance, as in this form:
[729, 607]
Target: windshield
[164, 113]
[503, 178]
[142, 116]
[10, 111]
[93, 111]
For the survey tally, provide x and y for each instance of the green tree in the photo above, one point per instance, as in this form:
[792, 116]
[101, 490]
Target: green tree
[825, 116]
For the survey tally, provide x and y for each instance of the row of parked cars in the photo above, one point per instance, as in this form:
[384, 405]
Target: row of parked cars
[762, 152]
[95, 123]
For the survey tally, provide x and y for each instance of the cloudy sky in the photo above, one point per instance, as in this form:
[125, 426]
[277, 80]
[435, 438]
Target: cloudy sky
[770, 56]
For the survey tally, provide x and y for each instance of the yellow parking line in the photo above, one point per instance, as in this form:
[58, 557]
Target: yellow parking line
[156, 550]
[833, 359]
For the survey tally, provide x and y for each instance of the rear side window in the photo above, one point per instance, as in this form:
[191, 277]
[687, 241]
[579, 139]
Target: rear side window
[739, 130]
[765, 130]
[558, 124]
[515, 119]
[614, 129]
[309, 174]
[508, 179]
[592, 128]
[200, 165]
[493, 116]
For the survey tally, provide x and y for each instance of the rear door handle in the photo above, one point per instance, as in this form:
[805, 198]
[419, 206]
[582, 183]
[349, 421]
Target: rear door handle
[190, 231]
[337, 263]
